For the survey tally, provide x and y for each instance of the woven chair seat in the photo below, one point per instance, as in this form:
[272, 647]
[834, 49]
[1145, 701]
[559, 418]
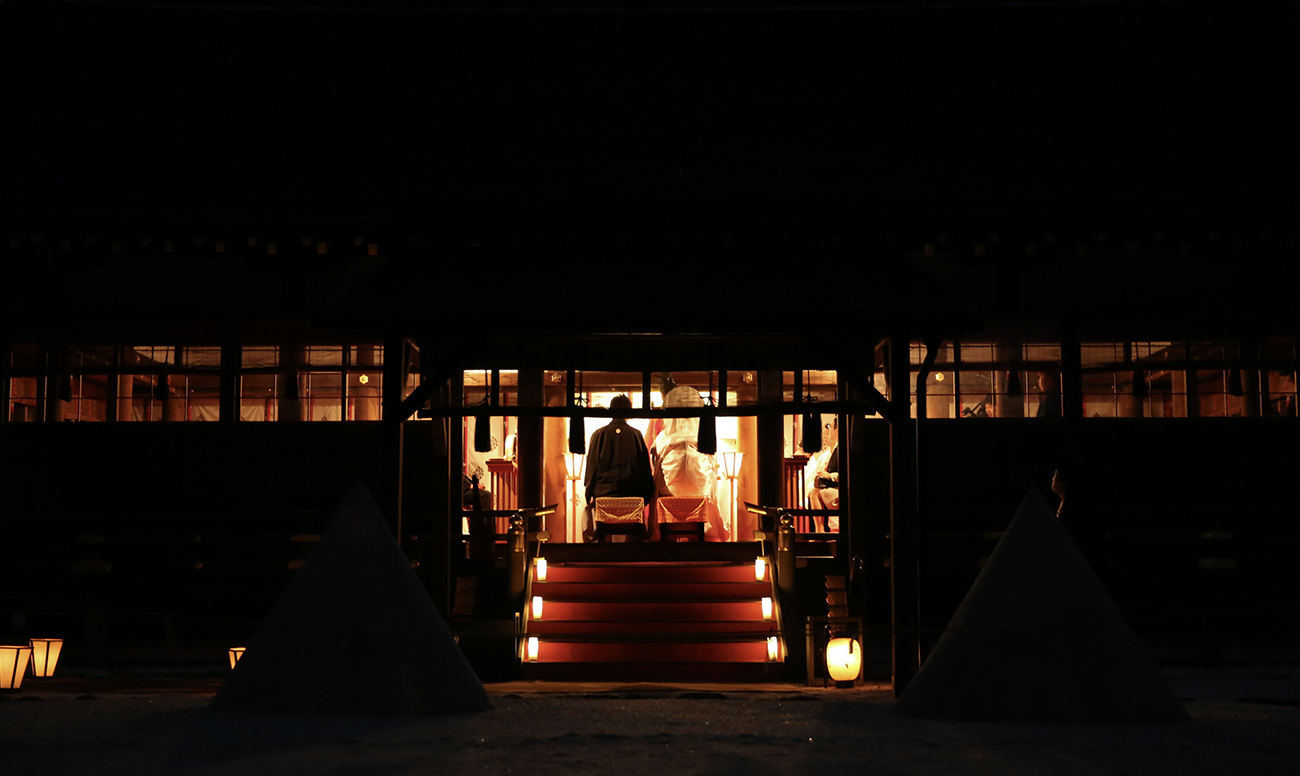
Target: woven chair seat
[682, 509]
[619, 509]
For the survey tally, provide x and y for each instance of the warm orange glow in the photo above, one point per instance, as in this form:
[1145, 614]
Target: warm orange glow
[760, 569]
[364, 379]
[767, 608]
[235, 654]
[844, 659]
[533, 648]
[13, 666]
[771, 649]
[541, 569]
[537, 607]
[45, 656]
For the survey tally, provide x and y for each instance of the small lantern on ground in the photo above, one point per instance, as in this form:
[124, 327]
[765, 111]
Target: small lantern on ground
[13, 666]
[537, 607]
[844, 661]
[772, 649]
[541, 569]
[533, 647]
[760, 569]
[45, 656]
[767, 608]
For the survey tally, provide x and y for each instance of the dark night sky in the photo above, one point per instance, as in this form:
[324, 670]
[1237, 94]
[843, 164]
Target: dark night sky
[1112, 107]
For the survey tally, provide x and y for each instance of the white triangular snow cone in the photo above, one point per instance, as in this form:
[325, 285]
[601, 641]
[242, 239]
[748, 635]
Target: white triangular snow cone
[1037, 639]
[354, 633]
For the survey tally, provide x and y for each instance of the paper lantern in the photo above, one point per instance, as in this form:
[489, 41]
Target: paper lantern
[844, 660]
[772, 649]
[767, 608]
[13, 666]
[45, 656]
[541, 569]
[760, 569]
[537, 607]
[532, 649]
[731, 463]
[235, 654]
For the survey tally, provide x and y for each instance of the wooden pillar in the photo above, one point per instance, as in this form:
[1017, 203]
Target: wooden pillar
[844, 428]
[6, 379]
[1130, 406]
[389, 491]
[174, 404]
[56, 362]
[904, 541]
[1010, 353]
[530, 451]
[232, 364]
[125, 398]
[366, 396]
[1250, 381]
[1071, 375]
[771, 441]
[453, 429]
[290, 408]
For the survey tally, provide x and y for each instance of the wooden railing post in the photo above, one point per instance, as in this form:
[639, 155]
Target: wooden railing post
[517, 560]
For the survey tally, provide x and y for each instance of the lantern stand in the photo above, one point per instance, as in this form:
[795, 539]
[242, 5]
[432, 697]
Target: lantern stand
[819, 631]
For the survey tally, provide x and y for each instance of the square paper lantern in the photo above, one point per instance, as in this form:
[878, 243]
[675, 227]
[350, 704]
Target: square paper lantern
[13, 666]
[45, 656]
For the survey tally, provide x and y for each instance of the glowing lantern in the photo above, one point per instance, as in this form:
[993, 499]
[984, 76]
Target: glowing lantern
[541, 569]
[13, 666]
[537, 607]
[844, 661]
[760, 569]
[45, 656]
[532, 649]
[767, 608]
[235, 654]
[771, 649]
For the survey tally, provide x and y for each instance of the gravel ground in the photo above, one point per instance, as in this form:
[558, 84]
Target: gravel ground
[1243, 721]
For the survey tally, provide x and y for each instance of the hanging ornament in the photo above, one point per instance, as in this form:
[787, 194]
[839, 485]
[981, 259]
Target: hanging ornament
[482, 433]
[577, 431]
[707, 440]
[483, 423]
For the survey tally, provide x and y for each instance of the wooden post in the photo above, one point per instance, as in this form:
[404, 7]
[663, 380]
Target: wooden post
[1010, 353]
[6, 379]
[531, 461]
[903, 541]
[771, 441]
[1071, 375]
[232, 363]
[390, 496]
[290, 393]
[125, 397]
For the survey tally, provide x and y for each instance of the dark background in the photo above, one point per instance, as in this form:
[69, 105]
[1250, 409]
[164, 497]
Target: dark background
[915, 107]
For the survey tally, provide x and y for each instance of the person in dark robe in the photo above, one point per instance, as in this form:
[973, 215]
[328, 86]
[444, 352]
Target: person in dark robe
[1049, 403]
[618, 462]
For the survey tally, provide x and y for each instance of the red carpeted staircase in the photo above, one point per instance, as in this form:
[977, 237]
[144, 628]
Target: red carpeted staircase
[652, 613]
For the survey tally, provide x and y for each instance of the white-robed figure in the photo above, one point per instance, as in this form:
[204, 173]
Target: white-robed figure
[680, 468]
[821, 475]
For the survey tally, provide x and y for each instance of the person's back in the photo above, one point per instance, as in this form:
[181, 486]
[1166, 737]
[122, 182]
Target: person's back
[618, 463]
